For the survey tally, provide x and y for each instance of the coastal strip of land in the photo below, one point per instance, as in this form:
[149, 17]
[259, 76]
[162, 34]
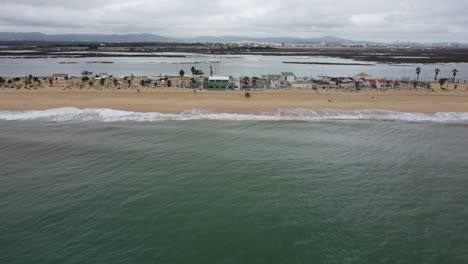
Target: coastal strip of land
[175, 100]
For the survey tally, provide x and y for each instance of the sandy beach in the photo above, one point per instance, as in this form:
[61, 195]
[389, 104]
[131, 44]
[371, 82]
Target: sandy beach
[175, 100]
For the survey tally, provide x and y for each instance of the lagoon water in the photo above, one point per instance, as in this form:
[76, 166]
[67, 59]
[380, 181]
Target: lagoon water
[232, 191]
[233, 65]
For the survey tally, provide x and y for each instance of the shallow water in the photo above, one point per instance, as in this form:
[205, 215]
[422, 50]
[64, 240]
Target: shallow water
[298, 114]
[232, 65]
[223, 191]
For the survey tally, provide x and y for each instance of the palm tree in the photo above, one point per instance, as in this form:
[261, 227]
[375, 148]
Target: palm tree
[437, 71]
[246, 80]
[418, 71]
[454, 74]
[254, 81]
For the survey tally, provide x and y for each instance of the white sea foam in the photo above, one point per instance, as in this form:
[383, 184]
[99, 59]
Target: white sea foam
[110, 115]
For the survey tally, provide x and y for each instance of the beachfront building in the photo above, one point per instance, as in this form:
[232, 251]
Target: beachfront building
[218, 83]
[379, 84]
[288, 77]
[278, 84]
[262, 83]
[383, 84]
[271, 76]
[61, 76]
[347, 85]
[320, 85]
[302, 84]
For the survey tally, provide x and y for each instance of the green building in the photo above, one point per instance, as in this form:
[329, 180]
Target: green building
[218, 83]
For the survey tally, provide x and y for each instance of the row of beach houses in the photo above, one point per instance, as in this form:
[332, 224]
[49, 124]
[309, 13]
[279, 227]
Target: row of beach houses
[276, 81]
[290, 80]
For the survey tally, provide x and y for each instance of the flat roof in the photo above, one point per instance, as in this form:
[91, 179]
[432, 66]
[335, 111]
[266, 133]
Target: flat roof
[223, 78]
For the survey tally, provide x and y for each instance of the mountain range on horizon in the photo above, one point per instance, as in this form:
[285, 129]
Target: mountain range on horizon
[37, 36]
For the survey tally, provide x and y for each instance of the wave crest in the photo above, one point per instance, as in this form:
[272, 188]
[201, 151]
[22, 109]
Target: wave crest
[110, 115]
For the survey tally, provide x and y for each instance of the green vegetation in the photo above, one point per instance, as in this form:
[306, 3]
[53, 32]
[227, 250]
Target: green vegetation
[437, 71]
[254, 81]
[418, 71]
[442, 82]
[246, 80]
[454, 71]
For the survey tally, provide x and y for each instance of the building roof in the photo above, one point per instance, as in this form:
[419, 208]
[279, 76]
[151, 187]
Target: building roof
[385, 81]
[222, 78]
[271, 76]
[287, 73]
[362, 75]
[371, 81]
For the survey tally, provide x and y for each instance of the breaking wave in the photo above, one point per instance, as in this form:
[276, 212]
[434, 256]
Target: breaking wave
[110, 115]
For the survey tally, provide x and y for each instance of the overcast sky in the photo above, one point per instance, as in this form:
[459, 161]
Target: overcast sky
[374, 20]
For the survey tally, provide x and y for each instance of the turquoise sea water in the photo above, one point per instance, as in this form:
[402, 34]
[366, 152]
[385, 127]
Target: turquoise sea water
[211, 191]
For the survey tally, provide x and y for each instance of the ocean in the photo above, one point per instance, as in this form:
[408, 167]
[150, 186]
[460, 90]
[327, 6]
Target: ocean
[104, 186]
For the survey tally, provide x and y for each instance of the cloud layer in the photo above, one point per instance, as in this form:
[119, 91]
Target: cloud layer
[383, 20]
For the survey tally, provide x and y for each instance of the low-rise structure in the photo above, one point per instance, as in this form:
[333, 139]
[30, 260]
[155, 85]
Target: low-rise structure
[262, 83]
[278, 84]
[307, 85]
[61, 76]
[288, 77]
[324, 86]
[218, 83]
[379, 84]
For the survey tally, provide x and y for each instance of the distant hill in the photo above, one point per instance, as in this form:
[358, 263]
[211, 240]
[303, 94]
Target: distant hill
[36, 36]
[287, 40]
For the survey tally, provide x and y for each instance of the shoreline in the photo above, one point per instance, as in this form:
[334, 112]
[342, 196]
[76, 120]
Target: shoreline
[176, 100]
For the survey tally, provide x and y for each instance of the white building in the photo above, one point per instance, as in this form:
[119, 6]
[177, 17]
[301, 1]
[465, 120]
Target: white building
[306, 85]
[288, 76]
[61, 76]
[278, 84]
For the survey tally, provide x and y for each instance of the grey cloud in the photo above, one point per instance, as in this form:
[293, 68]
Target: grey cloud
[386, 20]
